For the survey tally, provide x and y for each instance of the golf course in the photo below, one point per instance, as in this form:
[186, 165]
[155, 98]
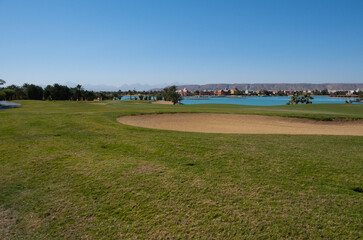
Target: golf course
[110, 170]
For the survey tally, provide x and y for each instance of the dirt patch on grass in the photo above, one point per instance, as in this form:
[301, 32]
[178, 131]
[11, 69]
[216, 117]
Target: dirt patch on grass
[162, 102]
[243, 124]
[7, 220]
[99, 103]
[146, 168]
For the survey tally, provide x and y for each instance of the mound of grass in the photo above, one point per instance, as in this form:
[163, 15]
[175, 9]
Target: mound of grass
[70, 170]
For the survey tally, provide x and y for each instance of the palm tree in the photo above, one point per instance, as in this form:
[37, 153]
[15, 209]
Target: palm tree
[295, 99]
[78, 92]
[306, 99]
[298, 98]
[175, 97]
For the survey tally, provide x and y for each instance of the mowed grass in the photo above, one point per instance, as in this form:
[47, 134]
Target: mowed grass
[70, 170]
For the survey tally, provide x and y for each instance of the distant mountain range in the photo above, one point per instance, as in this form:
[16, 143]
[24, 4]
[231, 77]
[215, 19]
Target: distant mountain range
[124, 87]
[217, 86]
[275, 86]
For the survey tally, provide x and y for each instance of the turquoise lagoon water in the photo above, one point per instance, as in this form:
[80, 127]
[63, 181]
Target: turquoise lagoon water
[254, 101]
[258, 101]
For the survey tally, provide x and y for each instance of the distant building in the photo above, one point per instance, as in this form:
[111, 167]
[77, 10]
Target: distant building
[207, 93]
[184, 92]
[223, 92]
[234, 91]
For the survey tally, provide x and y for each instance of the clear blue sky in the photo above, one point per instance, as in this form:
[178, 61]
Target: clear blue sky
[156, 42]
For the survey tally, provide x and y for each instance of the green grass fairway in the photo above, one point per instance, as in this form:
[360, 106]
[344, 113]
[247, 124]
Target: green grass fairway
[70, 170]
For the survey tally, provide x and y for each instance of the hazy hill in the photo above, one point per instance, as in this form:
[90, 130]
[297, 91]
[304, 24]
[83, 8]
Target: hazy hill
[275, 86]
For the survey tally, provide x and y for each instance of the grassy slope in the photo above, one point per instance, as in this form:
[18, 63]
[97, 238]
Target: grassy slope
[69, 170]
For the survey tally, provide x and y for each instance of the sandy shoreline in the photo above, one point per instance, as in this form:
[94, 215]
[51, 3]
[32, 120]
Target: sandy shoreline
[243, 124]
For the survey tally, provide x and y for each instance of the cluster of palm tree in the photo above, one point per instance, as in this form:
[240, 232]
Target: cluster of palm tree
[300, 98]
[167, 94]
[142, 95]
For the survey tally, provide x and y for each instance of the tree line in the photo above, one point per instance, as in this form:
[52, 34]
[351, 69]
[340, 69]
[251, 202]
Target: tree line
[62, 92]
[51, 92]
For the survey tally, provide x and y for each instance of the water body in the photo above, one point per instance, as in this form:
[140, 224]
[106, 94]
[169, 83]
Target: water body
[6, 105]
[259, 101]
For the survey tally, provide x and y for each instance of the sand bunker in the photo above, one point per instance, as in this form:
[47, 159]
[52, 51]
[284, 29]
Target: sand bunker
[243, 124]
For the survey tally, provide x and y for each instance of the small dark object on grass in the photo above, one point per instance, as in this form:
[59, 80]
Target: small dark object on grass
[190, 164]
[358, 189]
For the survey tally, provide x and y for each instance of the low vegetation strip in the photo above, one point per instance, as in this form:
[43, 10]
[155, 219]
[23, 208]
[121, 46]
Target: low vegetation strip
[244, 124]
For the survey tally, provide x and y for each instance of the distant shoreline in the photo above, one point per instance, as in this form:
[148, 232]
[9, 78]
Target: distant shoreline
[273, 86]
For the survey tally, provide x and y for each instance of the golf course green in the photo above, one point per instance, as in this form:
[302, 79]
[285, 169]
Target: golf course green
[71, 170]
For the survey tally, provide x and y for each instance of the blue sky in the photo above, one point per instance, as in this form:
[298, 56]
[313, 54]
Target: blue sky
[196, 42]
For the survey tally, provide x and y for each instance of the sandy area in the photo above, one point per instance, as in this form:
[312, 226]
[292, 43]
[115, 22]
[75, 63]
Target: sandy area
[162, 102]
[244, 124]
[99, 103]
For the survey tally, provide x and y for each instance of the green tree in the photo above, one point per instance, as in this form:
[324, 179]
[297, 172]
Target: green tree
[175, 97]
[19, 92]
[89, 95]
[300, 98]
[2, 82]
[159, 97]
[118, 94]
[265, 92]
[33, 92]
[129, 92]
[2, 95]
[170, 94]
[324, 92]
[360, 98]
[6, 94]
[47, 92]
[166, 92]
[306, 99]
[79, 92]
[57, 92]
[294, 99]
